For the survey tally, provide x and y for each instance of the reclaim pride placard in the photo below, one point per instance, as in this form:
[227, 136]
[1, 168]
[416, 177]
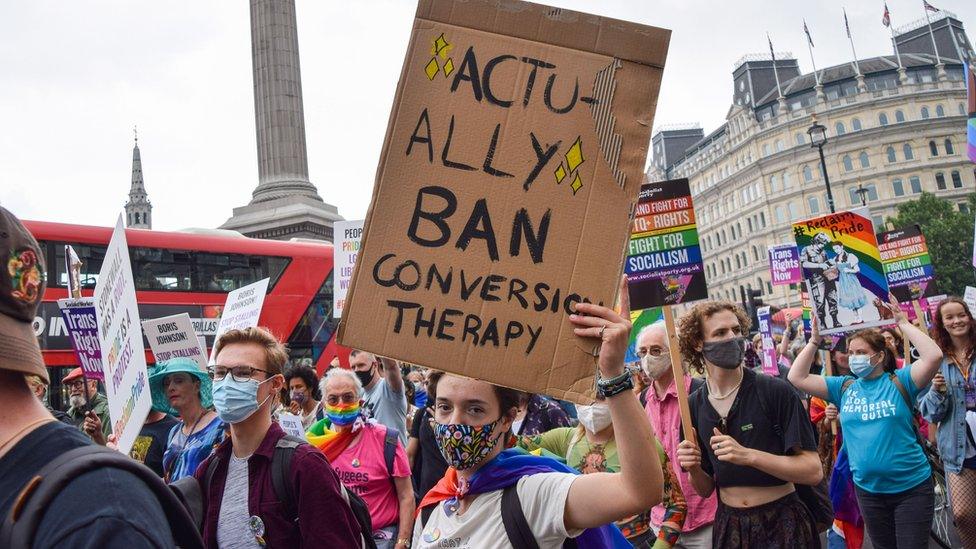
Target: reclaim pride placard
[505, 189]
[348, 236]
[80, 321]
[842, 270]
[174, 337]
[663, 263]
[241, 310]
[123, 358]
[784, 265]
[907, 264]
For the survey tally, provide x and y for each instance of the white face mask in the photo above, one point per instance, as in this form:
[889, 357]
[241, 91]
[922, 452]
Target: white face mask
[594, 418]
[655, 367]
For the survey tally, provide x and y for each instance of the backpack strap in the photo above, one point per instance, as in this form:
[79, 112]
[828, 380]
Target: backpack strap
[513, 517]
[643, 396]
[20, 525]
[389, 449]
[696, 383]
[425, 513]
[911, 408]
[281, 472]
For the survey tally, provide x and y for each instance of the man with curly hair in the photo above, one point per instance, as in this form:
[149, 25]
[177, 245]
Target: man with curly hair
[752, 440]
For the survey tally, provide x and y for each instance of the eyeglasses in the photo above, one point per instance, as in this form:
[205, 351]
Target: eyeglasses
[653, 352]
[239, 373]
[346, 398]
[74, 385]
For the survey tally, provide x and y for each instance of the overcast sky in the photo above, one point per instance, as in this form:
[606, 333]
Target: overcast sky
[75, 77]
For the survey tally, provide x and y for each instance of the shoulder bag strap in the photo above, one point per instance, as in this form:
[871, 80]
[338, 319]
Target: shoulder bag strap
[513, 517]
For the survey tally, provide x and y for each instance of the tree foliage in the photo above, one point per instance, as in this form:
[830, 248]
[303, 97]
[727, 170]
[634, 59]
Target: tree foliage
[949, 235]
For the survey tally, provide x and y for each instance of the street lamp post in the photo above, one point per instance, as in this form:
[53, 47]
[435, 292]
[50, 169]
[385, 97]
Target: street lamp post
[818, 138]
[861, 192]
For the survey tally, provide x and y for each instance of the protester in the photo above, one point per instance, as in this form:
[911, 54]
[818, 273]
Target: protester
[952, 403]
[180, 388]
[242, 508]
[366, 460]
[105, 507]
[38, 386]
[757, 440]
[304, 394]
[427, 465]
[385, 399]
[753, 358]
[661, 407]
[472, 416]
[538, 414]
[894, 340]
[591, 448]
[82, 412]
[892, 476]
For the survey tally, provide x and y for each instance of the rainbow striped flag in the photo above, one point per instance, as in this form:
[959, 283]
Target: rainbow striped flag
[971, 125]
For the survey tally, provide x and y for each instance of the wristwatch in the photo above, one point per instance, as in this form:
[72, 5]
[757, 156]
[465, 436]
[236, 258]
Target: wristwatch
[608, 387]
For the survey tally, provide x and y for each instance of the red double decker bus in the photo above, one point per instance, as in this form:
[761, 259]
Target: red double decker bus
[191, 272]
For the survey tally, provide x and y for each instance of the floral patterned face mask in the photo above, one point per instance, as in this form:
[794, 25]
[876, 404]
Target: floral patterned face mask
[464, 446]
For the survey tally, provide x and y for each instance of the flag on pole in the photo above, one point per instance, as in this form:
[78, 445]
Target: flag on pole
[805, 30]
[930, 7]
[771, 53]
[846, 25]
[886, 18]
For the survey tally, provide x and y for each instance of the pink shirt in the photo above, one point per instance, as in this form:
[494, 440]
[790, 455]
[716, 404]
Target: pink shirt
[362, 469]
[666, 420]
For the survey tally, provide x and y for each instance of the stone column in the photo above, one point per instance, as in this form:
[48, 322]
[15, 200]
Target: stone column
[278, 111]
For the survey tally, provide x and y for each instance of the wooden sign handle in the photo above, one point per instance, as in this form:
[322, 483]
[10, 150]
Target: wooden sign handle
[679, 373]
[919, 316]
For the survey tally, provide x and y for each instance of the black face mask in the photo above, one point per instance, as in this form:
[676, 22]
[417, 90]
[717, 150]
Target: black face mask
[365, 377]
[724, 354]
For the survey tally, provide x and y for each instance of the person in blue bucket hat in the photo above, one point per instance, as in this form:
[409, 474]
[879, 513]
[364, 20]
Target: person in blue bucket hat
[180, 388]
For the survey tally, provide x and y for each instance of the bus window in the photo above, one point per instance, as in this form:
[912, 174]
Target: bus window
[314, 330]
[91, 257]
[159, 269]
[226, 272]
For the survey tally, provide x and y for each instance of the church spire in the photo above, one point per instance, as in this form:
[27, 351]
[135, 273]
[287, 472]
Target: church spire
[138, 210]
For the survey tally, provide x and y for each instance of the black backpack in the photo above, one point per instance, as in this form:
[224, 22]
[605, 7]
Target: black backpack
[20, 526]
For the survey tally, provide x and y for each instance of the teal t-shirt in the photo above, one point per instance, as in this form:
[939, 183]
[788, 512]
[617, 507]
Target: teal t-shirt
[879, 434]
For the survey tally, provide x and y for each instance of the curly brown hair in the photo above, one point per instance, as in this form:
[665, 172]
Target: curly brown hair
[941, 335]
[690, 334]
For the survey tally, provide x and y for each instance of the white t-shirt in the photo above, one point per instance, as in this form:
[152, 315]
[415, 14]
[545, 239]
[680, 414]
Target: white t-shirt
[543, 498]
[233, 522]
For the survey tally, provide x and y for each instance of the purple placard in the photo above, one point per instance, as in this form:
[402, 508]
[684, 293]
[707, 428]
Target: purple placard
[768, 343]
[784, 265]
[80, 321]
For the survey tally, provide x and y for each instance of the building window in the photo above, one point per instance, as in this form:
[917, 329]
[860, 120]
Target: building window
[848, 163]
[925, 113]
[854, 196]
[948, 146]
[779, 145]
[940, 181]
[962, 110]
[801, 140]
[963, 207]
[915, 184]
[749, 224]
[839, 128]
[765, 149]
[774, 183]
[956, 180]
[908, 152]
[864, 160]
[129, 216]
[807, 174]
[939, 111]
[856, 124]
[899, 116]
[897, 188]
[755, 253]
[786, 181]
[762, 219]
[870, 194]
[738, 262]
[878, 222]
[933, 149]
[813, 204]
[890, 151]
[794, 212]
[780, 216]
[883, 119]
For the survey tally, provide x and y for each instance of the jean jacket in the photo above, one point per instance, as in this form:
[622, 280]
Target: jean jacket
[949, 411]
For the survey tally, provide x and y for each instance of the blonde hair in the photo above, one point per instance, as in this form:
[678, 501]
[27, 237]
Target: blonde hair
[275, 352]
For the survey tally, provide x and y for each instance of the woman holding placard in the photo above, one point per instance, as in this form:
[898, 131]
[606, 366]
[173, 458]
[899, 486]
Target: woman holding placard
[892, 476]
[952, 403]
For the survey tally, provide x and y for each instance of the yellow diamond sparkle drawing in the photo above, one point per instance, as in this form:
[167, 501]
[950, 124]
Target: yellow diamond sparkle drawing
[577, 184]
[574, 156]
[431, 68]
[448, 68]
[440, 45]
[560, 174]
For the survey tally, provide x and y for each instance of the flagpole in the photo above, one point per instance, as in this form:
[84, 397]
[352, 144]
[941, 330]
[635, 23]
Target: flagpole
[816, 75]
[850, 38]
[938, 59]
[772, 54]
[886, 21]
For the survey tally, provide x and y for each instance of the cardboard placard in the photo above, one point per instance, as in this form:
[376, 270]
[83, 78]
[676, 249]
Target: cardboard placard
[768, 344]
[123, 359]
[970, 298]
[504, 192]
[664, 262]
[348, 237]
[81, 322]
[784, 265]
[174, 337]
[291, 424]
[843, 272]
[907, 264]
[241, 310]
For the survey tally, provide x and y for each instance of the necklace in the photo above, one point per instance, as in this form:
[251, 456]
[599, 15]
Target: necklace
[732, 391]
[24, 429]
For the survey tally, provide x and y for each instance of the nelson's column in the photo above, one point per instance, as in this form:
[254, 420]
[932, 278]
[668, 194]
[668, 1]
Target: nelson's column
[285, 203]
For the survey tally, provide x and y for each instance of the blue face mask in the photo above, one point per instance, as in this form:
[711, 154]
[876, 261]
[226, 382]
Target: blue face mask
[860, 365]
[235, 400]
